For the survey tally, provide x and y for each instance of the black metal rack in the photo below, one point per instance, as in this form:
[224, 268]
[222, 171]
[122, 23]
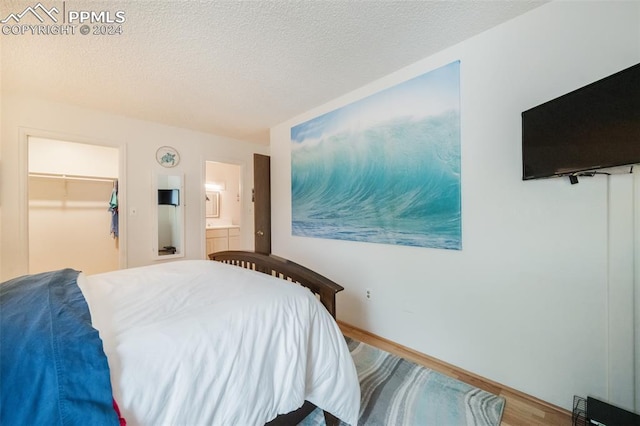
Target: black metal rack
[593, 411]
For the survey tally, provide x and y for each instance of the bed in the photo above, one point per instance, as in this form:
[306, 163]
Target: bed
[233, 341]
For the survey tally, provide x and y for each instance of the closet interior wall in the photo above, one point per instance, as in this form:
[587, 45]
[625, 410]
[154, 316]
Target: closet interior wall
[71, 220]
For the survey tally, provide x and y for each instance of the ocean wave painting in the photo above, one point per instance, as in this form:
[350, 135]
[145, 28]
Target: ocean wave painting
[385, 169]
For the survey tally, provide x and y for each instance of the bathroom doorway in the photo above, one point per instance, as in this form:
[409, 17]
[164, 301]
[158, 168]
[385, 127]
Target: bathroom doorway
[223, 207]
[73, 206]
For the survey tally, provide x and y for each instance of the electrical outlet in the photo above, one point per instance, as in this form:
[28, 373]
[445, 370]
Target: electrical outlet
[368, 294]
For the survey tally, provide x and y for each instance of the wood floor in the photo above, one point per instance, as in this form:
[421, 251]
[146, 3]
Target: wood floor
[520, 409]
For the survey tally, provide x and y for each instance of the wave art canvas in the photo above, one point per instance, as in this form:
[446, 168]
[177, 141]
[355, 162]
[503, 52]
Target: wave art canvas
[385, 169]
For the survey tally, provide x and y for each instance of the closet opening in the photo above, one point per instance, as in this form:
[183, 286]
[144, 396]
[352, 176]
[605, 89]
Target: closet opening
[73, 206]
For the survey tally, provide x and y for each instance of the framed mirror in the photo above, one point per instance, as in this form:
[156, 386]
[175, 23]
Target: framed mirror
[168, 198]
[213, 203]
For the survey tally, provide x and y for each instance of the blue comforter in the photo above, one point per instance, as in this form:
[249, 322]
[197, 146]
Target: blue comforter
[53, 370]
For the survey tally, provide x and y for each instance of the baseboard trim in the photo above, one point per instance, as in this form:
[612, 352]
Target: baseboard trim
[447, 368]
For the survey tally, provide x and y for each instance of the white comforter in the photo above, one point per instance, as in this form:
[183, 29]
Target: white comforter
[204, 343]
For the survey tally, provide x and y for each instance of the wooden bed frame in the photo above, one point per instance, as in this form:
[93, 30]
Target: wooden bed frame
[285, 269]
[280, 267]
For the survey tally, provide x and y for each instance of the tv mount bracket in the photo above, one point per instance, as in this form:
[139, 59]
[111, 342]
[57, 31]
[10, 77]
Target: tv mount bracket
[573, 177]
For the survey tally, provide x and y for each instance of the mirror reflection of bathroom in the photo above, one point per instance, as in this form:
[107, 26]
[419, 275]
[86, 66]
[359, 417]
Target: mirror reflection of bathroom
[212, 199]
[170, 216]
[223, 211]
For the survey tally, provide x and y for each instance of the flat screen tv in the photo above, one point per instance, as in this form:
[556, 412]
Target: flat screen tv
[594, 127]
[169, 197]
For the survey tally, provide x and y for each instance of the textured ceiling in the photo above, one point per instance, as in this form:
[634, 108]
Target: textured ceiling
[234, 68]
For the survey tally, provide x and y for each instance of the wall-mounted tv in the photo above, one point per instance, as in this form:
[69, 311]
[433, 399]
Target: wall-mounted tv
[596, 126]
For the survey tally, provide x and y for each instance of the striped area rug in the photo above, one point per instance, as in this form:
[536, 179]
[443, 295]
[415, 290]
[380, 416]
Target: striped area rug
[397, 392]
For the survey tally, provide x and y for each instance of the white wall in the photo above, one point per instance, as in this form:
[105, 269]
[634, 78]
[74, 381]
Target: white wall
[68, 158]
[525, 303]
[69, 224]
[138, 141]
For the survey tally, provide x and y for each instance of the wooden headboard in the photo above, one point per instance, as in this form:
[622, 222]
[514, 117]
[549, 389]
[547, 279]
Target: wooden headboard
[285, 269]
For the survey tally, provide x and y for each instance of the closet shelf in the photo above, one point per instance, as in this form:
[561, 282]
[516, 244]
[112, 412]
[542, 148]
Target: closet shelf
[73, 177]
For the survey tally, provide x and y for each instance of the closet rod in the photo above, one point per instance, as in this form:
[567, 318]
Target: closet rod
[72, 177]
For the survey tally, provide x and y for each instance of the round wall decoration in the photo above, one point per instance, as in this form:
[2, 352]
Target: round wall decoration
[167, 156]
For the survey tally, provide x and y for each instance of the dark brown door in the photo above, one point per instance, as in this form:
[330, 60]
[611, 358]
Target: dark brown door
[262, 202]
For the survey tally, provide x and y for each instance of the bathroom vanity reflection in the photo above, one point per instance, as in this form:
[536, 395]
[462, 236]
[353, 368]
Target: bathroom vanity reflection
[169, 194]
[212, 203]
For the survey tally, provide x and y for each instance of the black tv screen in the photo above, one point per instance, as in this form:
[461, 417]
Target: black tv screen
[594, 127]
[169, 197]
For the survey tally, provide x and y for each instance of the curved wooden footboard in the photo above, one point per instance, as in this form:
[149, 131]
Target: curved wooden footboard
[285, 269]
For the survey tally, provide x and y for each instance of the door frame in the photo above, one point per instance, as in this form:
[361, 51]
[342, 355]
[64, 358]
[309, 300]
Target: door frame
[23, 185]
[245, 220]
